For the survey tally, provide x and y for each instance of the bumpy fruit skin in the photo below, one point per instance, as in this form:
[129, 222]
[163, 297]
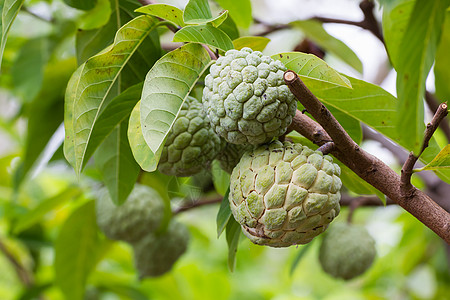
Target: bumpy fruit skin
[346, 251]
[284, 194]
[247, 99]
[231, 154]
[191, 144]
[155, 255]
[140, 215]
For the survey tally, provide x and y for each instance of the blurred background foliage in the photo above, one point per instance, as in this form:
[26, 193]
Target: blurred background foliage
[47, 253]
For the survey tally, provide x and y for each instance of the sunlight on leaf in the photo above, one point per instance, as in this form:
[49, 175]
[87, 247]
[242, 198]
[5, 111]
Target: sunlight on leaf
[204, 34]
[164, 11]
[257, 43]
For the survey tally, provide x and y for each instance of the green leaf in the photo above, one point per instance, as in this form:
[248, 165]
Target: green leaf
[441, 69]
[117, 166]
[36, 214]
[204, 34]
[27, 72]
[75, 249]
[141, 152]
[224, 214]
[90, 42]
[164, 11]
[45, 113]
[299, 257]
[257, 43]
[166, 86]
[221, 179]
[196, 11]
[81, 4]
[118, 110]
[97, 17]
[240, 11]
[441, 161]
[229, 27]
[308, 65]
[396, 15]
[414, 61]
[233, 233]
[9, 10]
[98, 82]
[350, 124]
[316, 33]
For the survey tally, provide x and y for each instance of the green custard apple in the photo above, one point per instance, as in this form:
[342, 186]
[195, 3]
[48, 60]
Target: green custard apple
[246, 98]
[284, 194]
[347, 251]
[155, 255]
[229, 157]
[141, 214]
[191, 143]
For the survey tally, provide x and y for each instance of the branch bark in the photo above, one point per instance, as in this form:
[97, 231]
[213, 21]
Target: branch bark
[367, 166]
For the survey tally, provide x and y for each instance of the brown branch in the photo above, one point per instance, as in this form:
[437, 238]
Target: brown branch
[197, 203]
[22, 273]
[368, 167]
[433, 104]
[309, 129]
[326, 148]
[407, 170]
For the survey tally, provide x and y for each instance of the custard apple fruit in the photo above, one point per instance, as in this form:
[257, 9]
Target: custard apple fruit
[155, 255]
[246, 98]
[191, 144]
[231, 154]
[346, 251]
[284, 194]
[141, 214]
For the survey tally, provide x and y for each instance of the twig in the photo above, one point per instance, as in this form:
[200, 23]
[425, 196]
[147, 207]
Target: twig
[22, 273]
[309, 129]
[406, 187]
[433, 104]
[326, 148]
[146, 2]
[354, 202]
[197, 203]
[368, 167]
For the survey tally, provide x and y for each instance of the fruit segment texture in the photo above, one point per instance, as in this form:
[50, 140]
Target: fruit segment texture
[246, 98]
[284, 194]
[191, 143]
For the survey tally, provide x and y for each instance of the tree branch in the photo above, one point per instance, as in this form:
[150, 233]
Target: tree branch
[367, 166]
[433, 104]
[197, 203]
[406, 187]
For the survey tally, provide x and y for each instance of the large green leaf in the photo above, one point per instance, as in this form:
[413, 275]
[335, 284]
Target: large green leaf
[257, 43]
[166, 87]
[204, 34]
[75, 251]
[396, 15]
[98, 81]
[221, 178]
[233, 233]
[441, 161]
[308, 65]
[164, 11]
[117, 165]
[81, 4]
[141, 152]
[196, 11]
[414, 61]
[240, 11]
[27, 72]
[315, 32]
[229, 27]
[224, 214]
[90, 42]
[442, 63]
[118, 110]
[9, 10]
[36, 214]
[45, 113]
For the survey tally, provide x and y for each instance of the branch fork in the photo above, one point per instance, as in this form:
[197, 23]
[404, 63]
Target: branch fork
[365, 165]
